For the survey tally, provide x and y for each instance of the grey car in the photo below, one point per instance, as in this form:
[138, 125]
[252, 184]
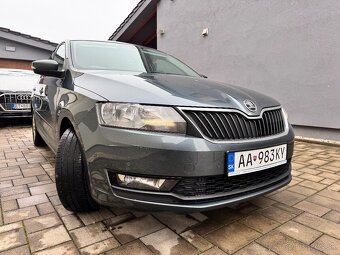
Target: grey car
[134, 127]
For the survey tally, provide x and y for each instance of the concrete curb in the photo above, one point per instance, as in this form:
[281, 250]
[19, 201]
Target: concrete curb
[317, 141]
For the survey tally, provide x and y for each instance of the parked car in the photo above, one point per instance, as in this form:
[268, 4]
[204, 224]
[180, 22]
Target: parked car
[134, 127]
[15, 92]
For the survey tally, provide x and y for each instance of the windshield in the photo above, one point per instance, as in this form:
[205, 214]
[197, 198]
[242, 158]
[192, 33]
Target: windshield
[125, 57]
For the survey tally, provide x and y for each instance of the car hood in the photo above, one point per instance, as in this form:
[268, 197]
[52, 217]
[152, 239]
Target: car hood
[17, 83]
[174, 90]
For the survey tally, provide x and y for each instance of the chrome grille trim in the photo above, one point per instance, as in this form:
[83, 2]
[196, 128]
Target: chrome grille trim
[9, 98]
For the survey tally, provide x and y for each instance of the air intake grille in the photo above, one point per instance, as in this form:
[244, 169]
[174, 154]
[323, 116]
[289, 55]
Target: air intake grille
[234, 126]
[203, 186]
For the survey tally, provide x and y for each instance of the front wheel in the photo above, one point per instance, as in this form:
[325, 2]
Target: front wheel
[71, 175]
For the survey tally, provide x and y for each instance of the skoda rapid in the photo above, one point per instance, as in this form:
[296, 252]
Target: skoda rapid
[136, 128]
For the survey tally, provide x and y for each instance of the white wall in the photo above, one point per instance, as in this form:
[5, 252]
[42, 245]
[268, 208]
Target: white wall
[288, 49]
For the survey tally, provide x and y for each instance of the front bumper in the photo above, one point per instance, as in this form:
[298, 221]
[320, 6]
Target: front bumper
[15, 114]
[150, 154]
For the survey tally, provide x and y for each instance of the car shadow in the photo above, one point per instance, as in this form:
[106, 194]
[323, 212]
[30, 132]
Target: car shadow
[15, 122]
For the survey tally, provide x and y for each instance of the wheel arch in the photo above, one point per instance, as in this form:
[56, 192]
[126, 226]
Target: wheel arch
[65, 121]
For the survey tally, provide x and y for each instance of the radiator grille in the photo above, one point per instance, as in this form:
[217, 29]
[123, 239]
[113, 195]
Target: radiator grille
[233, 126]
[8, 99]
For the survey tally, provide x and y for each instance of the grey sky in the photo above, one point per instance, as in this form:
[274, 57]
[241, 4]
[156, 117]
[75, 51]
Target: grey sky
[65, 19]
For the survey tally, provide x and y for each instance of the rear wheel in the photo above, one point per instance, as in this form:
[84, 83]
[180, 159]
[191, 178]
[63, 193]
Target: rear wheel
[37, 139]
[71, 175]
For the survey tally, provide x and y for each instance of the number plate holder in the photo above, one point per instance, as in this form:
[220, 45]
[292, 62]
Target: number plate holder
[244, 162]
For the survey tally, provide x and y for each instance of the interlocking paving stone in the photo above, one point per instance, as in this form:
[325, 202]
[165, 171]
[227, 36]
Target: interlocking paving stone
[90, 234]
[319, 224]
[287, 208]
[214, 251]
[12, 239]
[302, 190]
[32, 170]
[232, 237]
[312, 208]
[9, 205]
[5, 184]
[332, 216]
[132, 248]
[177, 222]
[330, 194]
[313, 185]
[54, 200]
[325, 201]
[16, 196]
[166, 241]
[260, 223]
[277, 214]
[196, 240]
[111, 222]
[311, 177]
[93, 217]
[32, 200]
[136, 228]
[254, 249]
[328, 245]
[48, 238]
[26, 180]
[62, 211]
[198, 216]
[71, 222]
[216, 219]
[45, 208]
[43, 189]
[9, 227]
[20, 214]
[330, 176]
[301, 218]
[41, 222]
[22, 250]
[100, 247]
[299, 232]
[262, 202]
[67, 248]
[283, 244]
[287, 197]
[9, 191]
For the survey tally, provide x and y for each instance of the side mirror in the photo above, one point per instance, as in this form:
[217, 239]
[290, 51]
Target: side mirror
[47, 67]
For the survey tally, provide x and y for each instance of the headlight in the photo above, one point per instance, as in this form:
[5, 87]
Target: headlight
[143, 117]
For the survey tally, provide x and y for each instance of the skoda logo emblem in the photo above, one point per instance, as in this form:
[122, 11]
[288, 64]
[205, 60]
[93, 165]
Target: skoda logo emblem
[251, 106]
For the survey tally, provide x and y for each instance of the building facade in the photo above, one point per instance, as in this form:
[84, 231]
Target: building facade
[18, 50]
[286, 49]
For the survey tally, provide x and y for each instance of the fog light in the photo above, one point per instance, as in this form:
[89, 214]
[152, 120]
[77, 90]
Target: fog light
[135, 182]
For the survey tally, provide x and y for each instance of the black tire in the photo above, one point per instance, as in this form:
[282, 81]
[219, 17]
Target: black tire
[71, 175]
[37, 139]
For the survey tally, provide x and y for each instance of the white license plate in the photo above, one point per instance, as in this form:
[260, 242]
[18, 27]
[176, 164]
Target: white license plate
[20, 106]
[255, 160]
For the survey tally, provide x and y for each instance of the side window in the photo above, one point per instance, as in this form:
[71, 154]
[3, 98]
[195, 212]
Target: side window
[59, 55]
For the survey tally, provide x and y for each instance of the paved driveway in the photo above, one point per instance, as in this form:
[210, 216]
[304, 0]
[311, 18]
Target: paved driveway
[302, 218]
